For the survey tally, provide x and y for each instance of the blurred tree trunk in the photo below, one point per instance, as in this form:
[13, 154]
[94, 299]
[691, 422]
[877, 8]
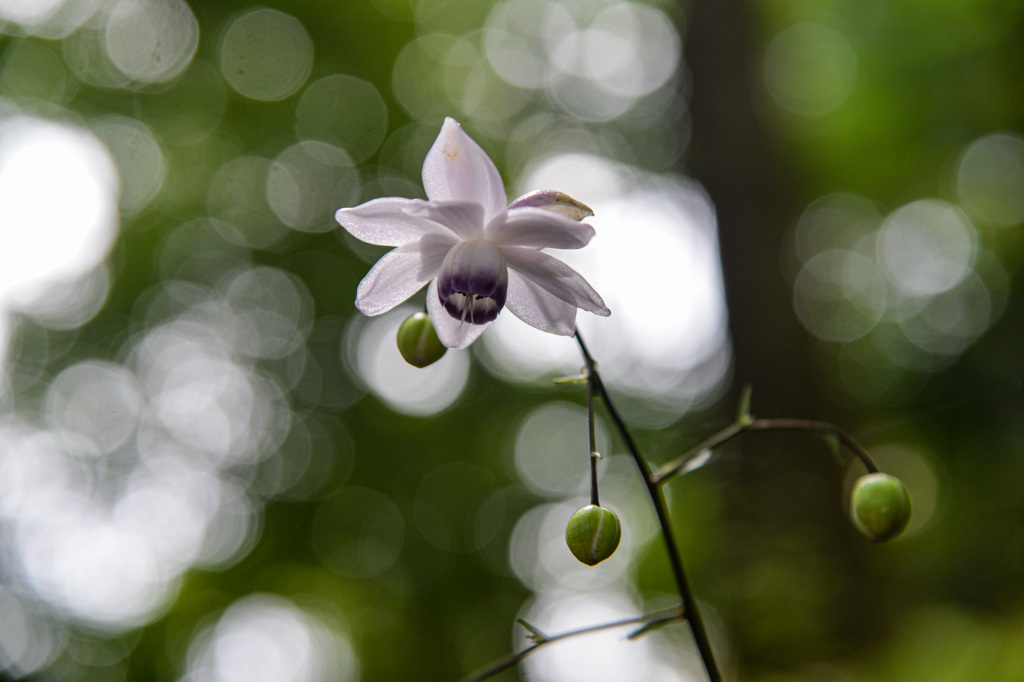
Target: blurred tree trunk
[737, 160]
[777, 486]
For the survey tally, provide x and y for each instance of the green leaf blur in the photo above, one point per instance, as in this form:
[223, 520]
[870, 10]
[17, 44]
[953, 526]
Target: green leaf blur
[212, 467]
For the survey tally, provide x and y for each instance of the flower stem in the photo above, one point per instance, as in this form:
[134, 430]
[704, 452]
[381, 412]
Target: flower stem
[677, 466]
[593, 445]
[693, 617]
[646, 620]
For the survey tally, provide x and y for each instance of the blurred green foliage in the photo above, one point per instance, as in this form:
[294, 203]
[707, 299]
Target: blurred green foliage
[402, 536]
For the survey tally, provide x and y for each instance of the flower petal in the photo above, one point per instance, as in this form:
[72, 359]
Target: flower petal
[555, 277]
[399, 274]
[537, 308]
[554, 201]
[390, 221]
[465, 219]
[538, 228]
[452, 333]
[457, 169]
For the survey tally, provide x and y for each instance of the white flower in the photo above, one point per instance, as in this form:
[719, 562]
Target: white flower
[478, 255]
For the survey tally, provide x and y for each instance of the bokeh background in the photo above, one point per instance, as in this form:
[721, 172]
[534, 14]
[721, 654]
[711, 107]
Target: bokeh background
[213, 469]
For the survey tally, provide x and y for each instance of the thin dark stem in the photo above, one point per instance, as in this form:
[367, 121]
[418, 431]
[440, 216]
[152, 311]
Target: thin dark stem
[593, 445]
[700, 635]
[678, 465]
[818, 427]
[503, 664]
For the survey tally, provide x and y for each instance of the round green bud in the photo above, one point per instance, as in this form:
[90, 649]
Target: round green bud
[593, 534]
[880, 506]
[418, 342]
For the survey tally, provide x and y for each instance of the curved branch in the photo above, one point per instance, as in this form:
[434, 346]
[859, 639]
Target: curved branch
[510, 661]
[678, 466]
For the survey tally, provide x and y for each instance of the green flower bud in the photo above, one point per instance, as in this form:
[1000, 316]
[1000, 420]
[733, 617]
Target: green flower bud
[418, 342]
[880, 506]
[593, 534]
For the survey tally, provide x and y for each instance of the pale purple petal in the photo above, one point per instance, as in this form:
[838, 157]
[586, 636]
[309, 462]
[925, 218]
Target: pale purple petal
[390, 221]
[538, 228]
[554, 201]
[452, 333]
[465, 219]
[399, 274]
[555, 277]
[537, 308]
[457, 169]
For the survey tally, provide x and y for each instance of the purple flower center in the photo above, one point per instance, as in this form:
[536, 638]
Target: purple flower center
[473, 282]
